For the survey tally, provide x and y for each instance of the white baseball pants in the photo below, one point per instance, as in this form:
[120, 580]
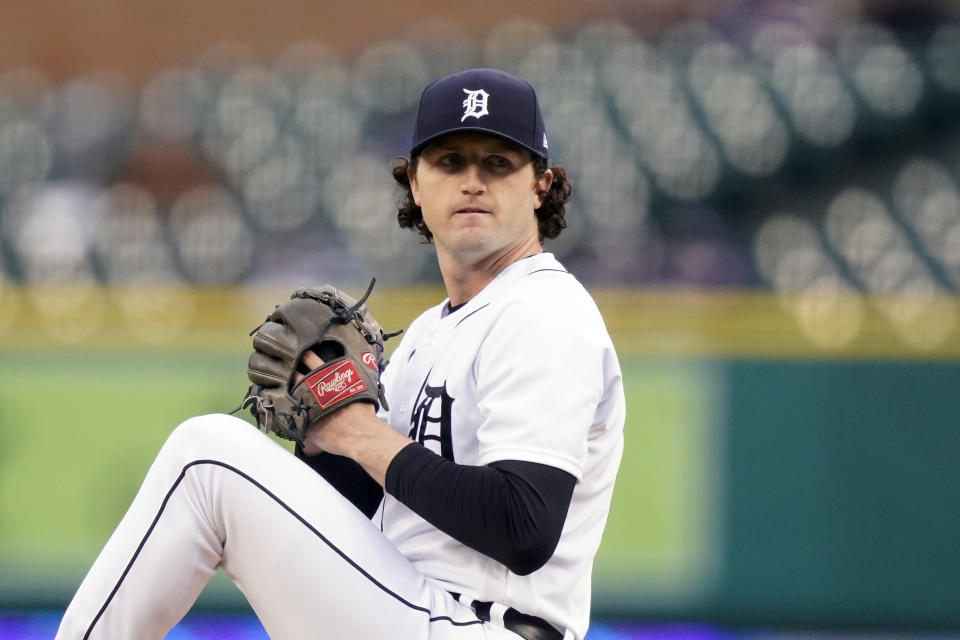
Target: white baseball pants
[222, 495]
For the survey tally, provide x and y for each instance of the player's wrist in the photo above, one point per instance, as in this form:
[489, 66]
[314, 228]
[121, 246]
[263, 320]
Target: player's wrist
[374, 446]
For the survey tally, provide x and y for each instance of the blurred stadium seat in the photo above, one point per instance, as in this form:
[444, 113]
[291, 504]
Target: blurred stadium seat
[734, 122]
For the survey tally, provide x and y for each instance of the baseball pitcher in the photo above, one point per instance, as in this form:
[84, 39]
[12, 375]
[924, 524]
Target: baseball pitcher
[459, 492]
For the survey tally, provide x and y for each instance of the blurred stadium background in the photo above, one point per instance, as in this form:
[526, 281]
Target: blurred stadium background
[767, 209]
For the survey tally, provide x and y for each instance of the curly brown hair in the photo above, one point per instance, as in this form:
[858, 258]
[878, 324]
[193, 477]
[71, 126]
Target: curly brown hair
[550, 214]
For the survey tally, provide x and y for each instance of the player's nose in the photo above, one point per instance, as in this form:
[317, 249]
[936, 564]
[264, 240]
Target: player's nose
[472, 180]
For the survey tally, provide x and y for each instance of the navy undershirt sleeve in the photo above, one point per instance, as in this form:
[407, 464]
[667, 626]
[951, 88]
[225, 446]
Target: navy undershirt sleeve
[347, 477]
[511, 510]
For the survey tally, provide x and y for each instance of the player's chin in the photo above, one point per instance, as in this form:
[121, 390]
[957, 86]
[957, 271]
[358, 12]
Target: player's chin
[471, 242]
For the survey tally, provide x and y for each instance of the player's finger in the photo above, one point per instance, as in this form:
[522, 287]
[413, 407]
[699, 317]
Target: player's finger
[308, 362]
[311, 359]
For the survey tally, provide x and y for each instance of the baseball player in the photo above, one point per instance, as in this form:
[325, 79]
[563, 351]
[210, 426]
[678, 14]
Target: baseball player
[471, 503]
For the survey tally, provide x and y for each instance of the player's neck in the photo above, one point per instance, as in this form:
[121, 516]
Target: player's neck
[466, 278]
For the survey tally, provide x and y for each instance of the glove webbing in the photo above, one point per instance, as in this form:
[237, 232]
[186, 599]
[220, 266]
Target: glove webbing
[343, 314]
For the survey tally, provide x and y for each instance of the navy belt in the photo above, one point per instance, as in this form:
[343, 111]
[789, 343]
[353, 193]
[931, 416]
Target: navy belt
[527, 627]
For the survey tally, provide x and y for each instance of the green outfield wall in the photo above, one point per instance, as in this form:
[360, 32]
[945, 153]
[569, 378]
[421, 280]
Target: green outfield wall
[770, 477]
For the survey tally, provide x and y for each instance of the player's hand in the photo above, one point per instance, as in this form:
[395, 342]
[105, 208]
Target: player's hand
[354, 431]
[330, 434]
[337, 432]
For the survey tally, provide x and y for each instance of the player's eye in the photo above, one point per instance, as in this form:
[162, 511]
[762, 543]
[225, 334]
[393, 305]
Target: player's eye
[449, 160]
[499, 162]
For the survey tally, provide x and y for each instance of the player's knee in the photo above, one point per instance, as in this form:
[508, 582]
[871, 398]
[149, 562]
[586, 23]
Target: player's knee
[200, 436]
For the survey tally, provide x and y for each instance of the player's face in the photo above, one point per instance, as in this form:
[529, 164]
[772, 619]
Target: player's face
[478, 194]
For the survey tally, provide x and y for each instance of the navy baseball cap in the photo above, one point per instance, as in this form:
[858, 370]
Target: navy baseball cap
[483, 101]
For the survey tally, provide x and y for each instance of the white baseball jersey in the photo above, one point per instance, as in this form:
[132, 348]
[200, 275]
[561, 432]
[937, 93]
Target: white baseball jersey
[523, 371]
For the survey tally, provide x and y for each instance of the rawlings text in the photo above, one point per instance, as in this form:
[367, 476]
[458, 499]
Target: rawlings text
[334, 384]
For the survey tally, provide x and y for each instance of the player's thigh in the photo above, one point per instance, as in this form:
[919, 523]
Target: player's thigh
[298, 550]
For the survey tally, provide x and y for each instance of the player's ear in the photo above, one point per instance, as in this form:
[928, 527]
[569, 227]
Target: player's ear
[542, 187]
[414, 185]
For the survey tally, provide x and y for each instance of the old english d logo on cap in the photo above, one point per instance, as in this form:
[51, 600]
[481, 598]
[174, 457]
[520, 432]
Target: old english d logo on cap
[475, 105]
[483, 101]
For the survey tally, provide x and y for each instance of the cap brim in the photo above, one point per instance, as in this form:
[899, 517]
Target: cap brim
[474, 129]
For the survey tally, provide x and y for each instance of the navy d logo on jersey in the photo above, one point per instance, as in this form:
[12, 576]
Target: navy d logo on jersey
[476, 104]
[430, 422]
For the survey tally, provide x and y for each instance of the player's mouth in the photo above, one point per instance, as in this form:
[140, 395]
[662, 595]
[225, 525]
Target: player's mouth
[472, 210]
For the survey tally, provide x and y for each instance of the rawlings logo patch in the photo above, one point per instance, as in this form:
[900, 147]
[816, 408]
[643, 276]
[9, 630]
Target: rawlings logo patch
[370, 360]
[335, 384]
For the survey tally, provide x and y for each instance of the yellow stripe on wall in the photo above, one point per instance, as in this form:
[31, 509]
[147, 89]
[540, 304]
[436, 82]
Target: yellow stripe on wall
[761, 324]
[641, 321]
